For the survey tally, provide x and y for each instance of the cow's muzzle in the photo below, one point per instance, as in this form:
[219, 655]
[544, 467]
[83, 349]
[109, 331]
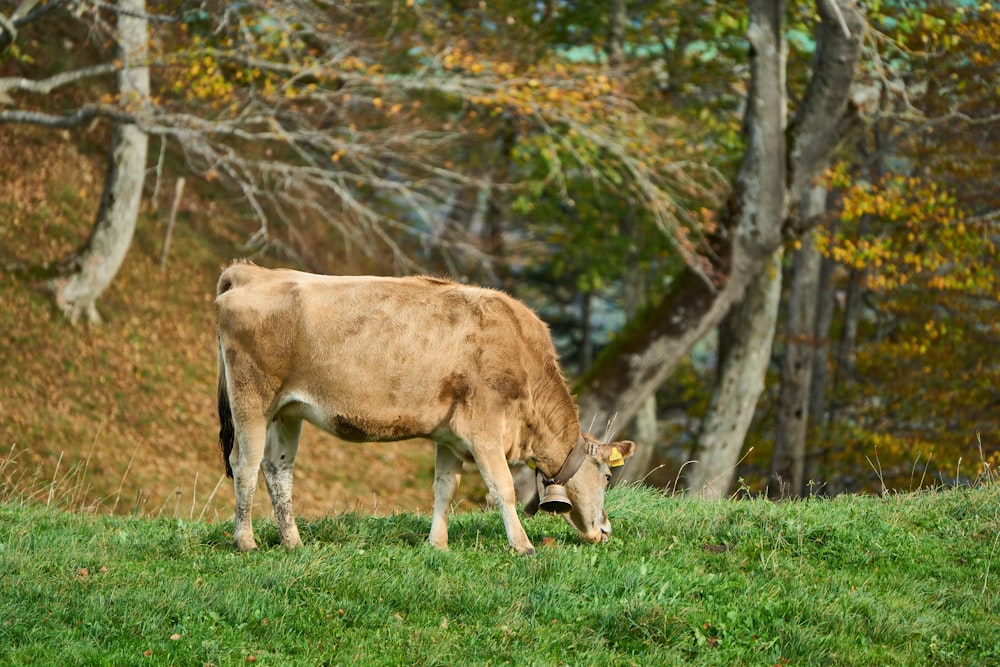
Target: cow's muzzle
[599, 536]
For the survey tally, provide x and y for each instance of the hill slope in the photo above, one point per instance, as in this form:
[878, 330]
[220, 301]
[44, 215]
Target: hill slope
[133, 401]
[905, 580]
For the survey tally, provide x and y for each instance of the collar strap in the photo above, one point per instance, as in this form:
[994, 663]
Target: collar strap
[572, 463]
[569, 468]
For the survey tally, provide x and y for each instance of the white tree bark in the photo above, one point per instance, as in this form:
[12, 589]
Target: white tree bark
[821, 358]
[749, 331]
[92, 268]
[787, 470]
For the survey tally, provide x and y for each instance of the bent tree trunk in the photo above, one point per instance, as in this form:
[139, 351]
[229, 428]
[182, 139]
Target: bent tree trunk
[88, 272]
[746, 334]
[743, 360]
[644, 355]
[756, 218]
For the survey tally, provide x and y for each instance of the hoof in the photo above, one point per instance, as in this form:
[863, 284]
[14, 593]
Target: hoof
[437, 544]
[244, 547]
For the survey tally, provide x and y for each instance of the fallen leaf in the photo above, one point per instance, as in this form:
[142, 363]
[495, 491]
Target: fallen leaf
[174, 637]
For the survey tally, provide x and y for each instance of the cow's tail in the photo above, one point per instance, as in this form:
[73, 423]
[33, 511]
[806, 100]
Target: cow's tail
[227, 431]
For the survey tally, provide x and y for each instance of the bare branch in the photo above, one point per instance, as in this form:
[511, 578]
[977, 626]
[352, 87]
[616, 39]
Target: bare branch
[25, 13]
[8, 27]
[832, 7]
[16, 19]
[812, 135]
[78, 117]
[46, 86]
[162, 18]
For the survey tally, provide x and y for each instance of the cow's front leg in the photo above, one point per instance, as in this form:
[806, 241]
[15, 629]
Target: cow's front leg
[493, 466]
[278, 465]
[245, 461]
[447, 475]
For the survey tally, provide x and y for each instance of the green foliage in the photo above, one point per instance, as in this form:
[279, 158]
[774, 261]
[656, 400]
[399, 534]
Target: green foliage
[903, 580]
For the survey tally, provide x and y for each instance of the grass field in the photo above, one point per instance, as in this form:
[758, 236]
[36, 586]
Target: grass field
[903, 580]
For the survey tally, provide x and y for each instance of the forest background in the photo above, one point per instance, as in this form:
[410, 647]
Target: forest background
[763, 234]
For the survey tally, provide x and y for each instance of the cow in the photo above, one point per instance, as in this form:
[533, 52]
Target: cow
[380, 359]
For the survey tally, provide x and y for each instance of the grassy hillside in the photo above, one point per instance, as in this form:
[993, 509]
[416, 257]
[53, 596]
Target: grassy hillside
[127, 409]
[904, 580]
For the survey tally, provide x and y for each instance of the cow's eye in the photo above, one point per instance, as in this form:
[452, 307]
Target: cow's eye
[608, 477]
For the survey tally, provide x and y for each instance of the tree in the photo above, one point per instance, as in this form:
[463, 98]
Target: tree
[787, 470]
[84, 276]
[756, 218]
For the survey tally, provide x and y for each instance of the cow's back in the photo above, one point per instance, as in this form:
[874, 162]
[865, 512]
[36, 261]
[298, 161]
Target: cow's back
[385, 358]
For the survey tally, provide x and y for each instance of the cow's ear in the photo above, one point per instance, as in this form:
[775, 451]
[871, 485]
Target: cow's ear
[615, 453]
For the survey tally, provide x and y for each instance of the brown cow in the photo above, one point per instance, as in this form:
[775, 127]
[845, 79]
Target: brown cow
[383, 359]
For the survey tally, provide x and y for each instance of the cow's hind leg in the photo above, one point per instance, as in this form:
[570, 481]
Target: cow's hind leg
[278, 463]
[245, 461]
[447, 475]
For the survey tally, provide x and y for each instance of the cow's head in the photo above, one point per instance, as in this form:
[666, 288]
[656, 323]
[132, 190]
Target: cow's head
[584, 479]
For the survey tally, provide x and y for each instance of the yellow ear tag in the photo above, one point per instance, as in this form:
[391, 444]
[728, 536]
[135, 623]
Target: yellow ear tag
[616, 459]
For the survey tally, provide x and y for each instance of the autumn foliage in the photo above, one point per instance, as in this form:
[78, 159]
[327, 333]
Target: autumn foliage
[496, 143]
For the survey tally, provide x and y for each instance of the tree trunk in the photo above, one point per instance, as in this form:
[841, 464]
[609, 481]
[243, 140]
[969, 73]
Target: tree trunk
[819, 416]
[746, 334]
[645, 431]
[617, 20]
[586, 352]
[748, 331]
[496, 206]
[821, 359]
[846, 351]
[644, 427]
[787, 471]
[91, 269]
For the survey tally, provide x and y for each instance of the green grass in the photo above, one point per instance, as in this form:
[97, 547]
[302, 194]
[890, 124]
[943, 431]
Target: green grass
[904, 580]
